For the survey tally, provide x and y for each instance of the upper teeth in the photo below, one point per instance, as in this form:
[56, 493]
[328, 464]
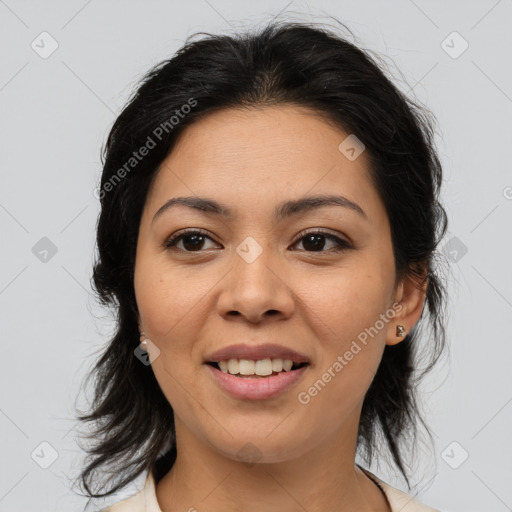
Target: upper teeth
[261, 367]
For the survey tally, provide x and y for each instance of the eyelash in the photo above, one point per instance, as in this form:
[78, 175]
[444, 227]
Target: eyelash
[342, 244]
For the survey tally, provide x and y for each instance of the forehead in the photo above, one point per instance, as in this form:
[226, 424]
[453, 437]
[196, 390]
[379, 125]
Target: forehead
[284, 131]
[257, 155]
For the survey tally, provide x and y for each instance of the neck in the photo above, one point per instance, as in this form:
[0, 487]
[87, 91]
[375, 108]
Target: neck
[323, 479]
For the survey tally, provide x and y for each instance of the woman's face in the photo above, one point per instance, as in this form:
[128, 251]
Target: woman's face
[254, 278]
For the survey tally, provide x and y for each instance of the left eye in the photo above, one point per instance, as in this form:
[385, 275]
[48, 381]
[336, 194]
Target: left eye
[193, 241]
[316, 241]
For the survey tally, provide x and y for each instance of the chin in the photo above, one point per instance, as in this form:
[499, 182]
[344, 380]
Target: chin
[261, 448]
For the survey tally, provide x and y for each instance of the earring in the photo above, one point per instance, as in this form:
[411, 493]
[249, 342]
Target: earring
[400, 331]
[143, 340]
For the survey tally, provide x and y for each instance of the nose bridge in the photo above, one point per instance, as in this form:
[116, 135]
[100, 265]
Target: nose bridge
[255, 264]
[256, 283]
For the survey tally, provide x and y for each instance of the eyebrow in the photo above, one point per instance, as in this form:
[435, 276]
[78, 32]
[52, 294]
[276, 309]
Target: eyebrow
[282, 211]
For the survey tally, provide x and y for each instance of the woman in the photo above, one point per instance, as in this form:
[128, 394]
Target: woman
[269, 216]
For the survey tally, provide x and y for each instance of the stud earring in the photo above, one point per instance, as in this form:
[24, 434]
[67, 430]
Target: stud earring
[143, 340]
[400, 331]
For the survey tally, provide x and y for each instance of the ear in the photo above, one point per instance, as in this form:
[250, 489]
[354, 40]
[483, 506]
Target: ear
[410, 296]
[139, 322]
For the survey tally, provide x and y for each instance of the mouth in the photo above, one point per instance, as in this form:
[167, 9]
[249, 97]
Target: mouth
[242, 379]
[256, 369]
[257, 372]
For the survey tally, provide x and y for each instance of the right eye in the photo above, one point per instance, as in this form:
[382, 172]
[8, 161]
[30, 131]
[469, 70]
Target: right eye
[193, 240]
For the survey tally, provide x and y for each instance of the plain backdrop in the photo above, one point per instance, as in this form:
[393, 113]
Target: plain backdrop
[67, 69]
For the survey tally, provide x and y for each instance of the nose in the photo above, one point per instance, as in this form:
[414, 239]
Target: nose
[255, 291]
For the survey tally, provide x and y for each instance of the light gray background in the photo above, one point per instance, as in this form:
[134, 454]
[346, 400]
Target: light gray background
[55, 114]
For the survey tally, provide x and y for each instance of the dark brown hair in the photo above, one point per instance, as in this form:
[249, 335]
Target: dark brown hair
[283, 63]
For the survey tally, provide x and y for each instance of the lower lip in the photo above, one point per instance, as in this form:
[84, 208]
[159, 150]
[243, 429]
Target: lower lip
[256, 388]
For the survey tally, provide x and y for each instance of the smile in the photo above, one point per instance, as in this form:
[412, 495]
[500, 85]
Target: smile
[243, 379]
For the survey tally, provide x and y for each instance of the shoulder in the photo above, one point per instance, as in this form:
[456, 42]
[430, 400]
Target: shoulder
[144, 501]
[398, 500]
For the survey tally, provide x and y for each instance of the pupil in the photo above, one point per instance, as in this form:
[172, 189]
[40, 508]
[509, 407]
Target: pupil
[199, 239]
[315, 245]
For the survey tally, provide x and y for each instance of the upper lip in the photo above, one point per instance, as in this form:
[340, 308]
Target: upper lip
[255, 352]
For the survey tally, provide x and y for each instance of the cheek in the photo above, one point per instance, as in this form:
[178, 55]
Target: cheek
[171, 304]
[349, 314]
[348, 358]
[343, 304]
[168, 299]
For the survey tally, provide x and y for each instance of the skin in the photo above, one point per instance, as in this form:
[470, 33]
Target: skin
[315, 301]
